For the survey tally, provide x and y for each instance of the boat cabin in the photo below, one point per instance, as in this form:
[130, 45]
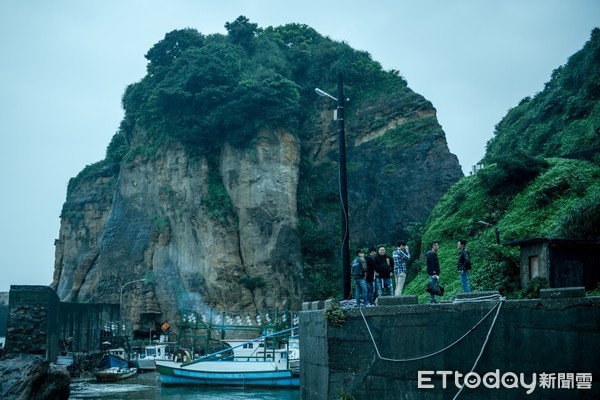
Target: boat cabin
[158, 351]
[244, 350]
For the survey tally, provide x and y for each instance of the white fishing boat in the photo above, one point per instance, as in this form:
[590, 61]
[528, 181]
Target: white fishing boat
[244, 363]
[294, 356]
[146, 362]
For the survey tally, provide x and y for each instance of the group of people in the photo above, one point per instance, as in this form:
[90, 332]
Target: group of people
[373, 273]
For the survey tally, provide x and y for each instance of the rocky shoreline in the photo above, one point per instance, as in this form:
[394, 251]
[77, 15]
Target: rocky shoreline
[28, 377]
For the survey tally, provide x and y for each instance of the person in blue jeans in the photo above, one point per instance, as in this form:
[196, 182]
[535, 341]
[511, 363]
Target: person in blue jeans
[384, 266]
[433, 268]
[359, 269]
[464, 265]
[401, 255]
[370, 278]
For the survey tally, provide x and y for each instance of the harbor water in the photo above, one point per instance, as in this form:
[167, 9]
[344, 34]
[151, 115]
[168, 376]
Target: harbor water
[147, 386]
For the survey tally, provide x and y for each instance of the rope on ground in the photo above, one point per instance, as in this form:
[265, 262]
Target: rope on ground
[488, 297]
[498, 304]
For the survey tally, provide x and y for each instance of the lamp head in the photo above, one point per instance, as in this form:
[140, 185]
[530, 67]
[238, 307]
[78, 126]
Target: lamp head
[324, 94]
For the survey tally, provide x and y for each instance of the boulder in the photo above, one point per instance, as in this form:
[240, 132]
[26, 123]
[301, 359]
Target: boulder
[28, 377]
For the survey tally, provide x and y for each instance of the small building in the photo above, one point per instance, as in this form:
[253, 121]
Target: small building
[563, 262]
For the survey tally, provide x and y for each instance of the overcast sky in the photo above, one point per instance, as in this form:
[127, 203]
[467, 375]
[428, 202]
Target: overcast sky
[65, 64]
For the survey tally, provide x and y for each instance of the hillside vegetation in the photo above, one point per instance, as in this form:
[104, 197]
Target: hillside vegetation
[522, 191]
[564, 118]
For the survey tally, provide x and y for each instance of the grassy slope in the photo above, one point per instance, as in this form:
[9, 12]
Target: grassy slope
[537, 211]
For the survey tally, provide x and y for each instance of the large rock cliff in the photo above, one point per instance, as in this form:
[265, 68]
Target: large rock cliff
[156, 217]
[225, 230]
[159, 220]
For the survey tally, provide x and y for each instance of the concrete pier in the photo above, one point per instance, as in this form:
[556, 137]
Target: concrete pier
[415, 351]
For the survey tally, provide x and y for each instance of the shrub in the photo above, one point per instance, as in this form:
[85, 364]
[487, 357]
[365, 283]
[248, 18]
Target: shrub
[335, 316]
[511, 174]
[532, 291]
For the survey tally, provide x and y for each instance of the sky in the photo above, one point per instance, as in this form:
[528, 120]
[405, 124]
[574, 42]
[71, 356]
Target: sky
[65, 63]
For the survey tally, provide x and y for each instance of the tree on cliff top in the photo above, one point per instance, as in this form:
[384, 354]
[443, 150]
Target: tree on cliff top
[207, 90]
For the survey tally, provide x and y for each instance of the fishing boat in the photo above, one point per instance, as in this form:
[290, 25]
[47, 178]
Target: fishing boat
[113, 368]
[151, 353]
[243, 363]
[294, 356]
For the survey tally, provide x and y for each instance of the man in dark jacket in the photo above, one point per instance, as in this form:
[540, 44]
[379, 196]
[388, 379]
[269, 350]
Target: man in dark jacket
[433, 268]
[370, 259]
[358, 269]
[384, 265]
[464, 265]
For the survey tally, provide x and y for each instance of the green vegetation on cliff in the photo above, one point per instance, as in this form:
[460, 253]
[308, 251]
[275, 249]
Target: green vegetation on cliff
[202, 91]
[206, 90]
[546, 207]
[563, 118]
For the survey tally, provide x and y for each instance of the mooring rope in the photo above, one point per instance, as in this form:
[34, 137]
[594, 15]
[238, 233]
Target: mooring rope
[484, 343]
[479, 299]
[476, 299]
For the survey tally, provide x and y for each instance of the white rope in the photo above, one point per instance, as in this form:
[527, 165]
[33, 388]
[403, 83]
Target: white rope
[484, 344]
[487, 298]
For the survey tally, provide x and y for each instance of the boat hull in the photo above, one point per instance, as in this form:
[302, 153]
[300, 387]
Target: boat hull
[112, 376]
[227, 373]
[144, 364]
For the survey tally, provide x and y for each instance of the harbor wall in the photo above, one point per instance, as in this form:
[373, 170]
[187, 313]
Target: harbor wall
[39, 324]
[368, 356]
[81, 327]
[32, 322]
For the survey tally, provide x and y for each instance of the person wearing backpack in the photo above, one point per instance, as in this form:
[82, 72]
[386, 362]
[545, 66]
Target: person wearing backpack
[357, 270]
[464, 265]
[384, 265]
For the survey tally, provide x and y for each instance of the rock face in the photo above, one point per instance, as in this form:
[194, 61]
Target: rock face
[161, 220]
[225, 234]
[33, 378]
[400, 167]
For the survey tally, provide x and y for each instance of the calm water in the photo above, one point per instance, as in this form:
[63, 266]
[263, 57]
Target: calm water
[147, 386]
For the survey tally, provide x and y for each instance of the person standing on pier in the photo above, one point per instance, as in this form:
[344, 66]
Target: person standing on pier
[433, 268]
[384, 265]
[464, 265]
[370, 278]
[358, 270]
[401, 255]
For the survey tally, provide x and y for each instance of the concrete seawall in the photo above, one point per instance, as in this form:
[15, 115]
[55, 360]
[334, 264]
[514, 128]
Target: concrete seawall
[550, 345]
[37, 323]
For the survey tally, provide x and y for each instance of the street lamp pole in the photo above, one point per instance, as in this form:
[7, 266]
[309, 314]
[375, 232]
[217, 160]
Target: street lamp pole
[346, 287]
[121, 296]
[496, 230]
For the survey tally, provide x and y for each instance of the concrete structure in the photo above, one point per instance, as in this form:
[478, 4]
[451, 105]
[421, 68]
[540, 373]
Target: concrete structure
[563, 262]
[82, 327]
[39, 324]
[32, 322]
[410, 351]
